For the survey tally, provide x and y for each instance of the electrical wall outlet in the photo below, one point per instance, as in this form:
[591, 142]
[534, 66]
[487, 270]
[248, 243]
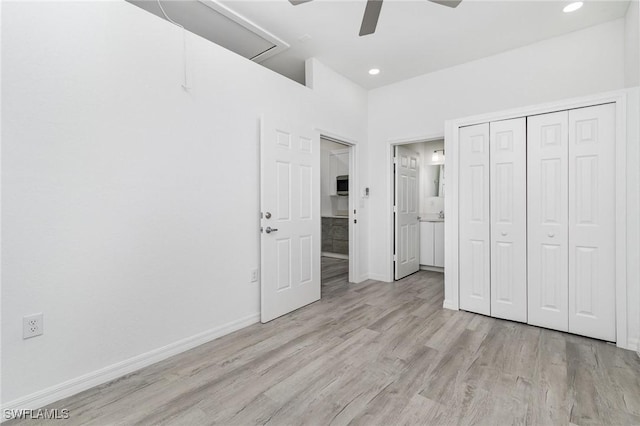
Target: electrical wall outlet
[254, 275]
[32, 326]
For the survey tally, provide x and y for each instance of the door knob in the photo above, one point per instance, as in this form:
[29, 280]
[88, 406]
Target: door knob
[504, 234]
[550, 234]
[267, 215]
[270, 230]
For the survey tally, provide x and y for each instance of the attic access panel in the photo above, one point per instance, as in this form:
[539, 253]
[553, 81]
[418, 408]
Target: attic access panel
[218, 24]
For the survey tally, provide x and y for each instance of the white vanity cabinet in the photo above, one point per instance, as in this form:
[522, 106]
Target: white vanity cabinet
[432, 243]
[427, 231]
[438, 244]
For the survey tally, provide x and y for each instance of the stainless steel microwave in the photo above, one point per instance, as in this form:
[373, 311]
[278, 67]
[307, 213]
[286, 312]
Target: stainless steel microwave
[342, 185]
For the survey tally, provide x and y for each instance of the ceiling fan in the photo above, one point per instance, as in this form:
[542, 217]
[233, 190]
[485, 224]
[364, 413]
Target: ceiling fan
[372, 12]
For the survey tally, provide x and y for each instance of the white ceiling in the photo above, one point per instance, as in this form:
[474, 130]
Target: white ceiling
[413, 37]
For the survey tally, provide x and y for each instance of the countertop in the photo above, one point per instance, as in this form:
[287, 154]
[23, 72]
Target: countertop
[431, 218]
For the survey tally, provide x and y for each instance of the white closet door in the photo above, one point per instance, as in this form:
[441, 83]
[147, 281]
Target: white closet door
[474, 241]
[592, 222]
[508, 154]
[547, 211]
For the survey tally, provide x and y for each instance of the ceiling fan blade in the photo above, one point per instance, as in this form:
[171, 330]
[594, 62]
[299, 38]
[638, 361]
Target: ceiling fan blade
[297, 2]
[449, 3]
[370, 19]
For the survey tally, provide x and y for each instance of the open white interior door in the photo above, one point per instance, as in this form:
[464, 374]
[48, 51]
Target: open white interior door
[290, 209]
[407, 223]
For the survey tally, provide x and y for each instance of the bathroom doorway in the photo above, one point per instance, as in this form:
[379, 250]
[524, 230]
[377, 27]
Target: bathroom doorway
[418, 224]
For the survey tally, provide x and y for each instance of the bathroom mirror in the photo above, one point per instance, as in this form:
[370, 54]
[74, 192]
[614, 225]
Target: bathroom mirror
[434, 181]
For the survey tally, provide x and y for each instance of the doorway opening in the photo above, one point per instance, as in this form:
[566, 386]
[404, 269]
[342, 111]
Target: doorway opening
[417, 207]
[338, 213]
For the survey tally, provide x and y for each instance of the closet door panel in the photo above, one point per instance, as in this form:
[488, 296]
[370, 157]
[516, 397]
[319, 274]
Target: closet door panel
[474, 237]
[508, 159]
[592, 222]
[547, 220]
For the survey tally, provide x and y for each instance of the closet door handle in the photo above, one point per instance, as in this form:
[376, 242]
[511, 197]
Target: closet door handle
[504, 234]
[550, 234]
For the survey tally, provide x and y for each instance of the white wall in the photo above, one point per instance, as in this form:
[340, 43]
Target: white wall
[632, 45]
[340, 100]
[129, 206]
[579, 63]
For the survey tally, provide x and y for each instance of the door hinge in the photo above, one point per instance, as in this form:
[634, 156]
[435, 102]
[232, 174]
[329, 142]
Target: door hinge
[395, 209]
[355, 220]
[395, 257]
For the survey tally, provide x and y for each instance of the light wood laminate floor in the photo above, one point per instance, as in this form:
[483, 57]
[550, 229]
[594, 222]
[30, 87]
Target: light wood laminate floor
[377, 354]
[335, 273]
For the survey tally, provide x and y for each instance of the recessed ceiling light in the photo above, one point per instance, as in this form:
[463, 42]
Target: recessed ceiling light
[572, 7]
[374, 71]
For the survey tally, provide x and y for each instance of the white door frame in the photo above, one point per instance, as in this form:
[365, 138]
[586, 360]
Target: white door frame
[354, 196]
[391, 145]
[451, 200]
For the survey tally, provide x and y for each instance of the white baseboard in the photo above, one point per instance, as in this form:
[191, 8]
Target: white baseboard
[71, 387]
[335, 255]
[448, 304]
[431, 268]
[633, 344]
[361, 278]
[379, 277]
